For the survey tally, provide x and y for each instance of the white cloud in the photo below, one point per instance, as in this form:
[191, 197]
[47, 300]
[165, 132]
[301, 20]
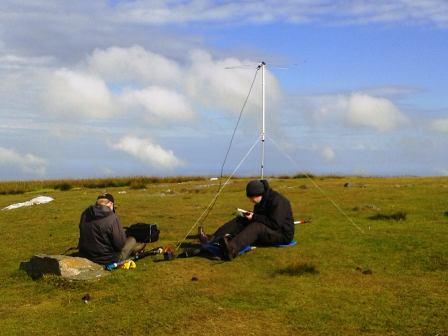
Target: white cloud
[443, 172]
[74, 94]
[225, 83]
[14, 62]
[440, 125]
[114, 83]
[265, 11]
[356, 109]
[28, 163]
[88, 90]
[159, 13]
[148, 152]
[133, 65]
[157, 103]
[392, 91]
[379, 113]
[328, 153]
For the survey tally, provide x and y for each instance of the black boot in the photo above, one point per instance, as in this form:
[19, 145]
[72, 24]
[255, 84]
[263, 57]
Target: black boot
[226, 250]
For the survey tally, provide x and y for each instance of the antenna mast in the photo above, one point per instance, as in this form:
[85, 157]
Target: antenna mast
[262, 65]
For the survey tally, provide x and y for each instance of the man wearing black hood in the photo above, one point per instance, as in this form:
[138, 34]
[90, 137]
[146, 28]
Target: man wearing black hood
[271, 222]
[102, 239]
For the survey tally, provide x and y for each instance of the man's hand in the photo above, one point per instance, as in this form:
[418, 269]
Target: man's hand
[249, 215]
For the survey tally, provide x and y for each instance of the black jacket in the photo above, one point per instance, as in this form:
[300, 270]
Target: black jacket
[101, 236]
[275, 212]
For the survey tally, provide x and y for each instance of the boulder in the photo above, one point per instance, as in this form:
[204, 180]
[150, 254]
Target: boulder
[69, 268]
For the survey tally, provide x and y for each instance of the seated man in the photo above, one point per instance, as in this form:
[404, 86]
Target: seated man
[271, 222]
[102, 239]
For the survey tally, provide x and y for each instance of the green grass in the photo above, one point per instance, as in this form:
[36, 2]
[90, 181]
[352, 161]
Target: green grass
[319, 287]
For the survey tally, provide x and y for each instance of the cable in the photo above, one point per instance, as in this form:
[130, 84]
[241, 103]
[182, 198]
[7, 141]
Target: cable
[221, 186]
[233, 136]
[238, 121]
[318, 187]
[212, 203]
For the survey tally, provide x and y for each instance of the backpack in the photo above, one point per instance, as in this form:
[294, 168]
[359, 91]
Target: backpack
[143, 233]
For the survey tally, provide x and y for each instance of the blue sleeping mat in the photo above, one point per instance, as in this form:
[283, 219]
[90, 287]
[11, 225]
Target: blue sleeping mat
[291, 243]
[215, 249]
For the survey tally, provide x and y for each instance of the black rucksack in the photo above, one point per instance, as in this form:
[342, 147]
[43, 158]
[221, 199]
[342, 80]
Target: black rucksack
[143, 233]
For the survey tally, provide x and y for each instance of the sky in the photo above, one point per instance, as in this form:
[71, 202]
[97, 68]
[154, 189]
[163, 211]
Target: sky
[124, 88]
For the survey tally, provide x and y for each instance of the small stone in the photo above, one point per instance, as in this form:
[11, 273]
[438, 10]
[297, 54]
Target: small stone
[194, 279]
[371, 207]
[352, 185]
[86, 298]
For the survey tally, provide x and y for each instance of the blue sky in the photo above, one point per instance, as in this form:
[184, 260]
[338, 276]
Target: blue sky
[112, 88]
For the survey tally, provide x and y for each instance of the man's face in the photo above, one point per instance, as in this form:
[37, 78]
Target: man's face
[256, 199]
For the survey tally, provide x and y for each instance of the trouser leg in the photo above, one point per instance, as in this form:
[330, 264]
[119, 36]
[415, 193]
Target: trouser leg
[254, 232]
[130, 246]
[232, 227]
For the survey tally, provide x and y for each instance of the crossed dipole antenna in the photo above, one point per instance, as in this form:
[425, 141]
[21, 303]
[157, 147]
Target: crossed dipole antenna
[262, 138]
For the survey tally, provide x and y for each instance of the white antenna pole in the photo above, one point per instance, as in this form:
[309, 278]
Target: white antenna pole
[263, 129]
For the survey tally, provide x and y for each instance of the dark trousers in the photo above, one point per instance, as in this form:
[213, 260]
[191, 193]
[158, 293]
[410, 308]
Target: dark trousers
[246, 233]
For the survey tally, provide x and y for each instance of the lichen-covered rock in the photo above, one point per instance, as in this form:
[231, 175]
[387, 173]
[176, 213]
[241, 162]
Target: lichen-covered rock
[70, 268]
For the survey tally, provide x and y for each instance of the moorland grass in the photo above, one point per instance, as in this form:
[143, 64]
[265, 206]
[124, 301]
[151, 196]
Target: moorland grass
[390, 280]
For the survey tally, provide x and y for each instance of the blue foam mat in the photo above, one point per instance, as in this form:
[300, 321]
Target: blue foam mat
[215, 249]
[291, 243]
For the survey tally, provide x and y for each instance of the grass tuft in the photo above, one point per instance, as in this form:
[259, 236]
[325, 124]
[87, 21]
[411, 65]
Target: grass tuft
[63, 186]
[396, 216]
[297, 269]
[303, 175]
[11, 192]
[135, 185]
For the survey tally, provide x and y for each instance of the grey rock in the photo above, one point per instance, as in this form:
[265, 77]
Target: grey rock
[371, 207]
[355, 185]
[69, 268]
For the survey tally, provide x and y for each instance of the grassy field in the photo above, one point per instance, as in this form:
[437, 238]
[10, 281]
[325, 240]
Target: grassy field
[390, 280]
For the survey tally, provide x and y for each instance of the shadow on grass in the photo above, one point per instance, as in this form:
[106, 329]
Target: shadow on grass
[195, 250]
[396, 216]
[297, 269]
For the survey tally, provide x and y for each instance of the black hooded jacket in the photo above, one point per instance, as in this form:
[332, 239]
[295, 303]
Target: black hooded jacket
[101, 236]
[275, 212]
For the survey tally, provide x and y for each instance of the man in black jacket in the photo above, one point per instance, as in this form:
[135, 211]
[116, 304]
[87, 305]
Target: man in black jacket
[102, 239]
[271, 222]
